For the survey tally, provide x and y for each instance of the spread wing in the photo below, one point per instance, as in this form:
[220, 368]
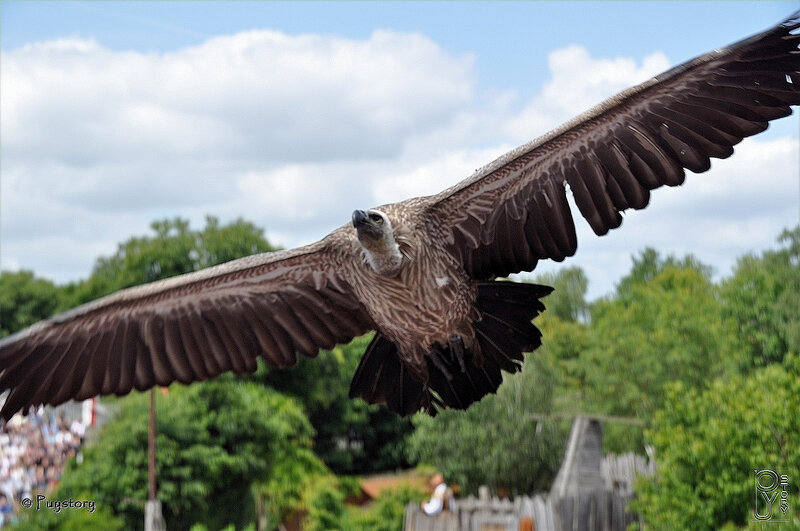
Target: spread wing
[514, 212]
[187, 328]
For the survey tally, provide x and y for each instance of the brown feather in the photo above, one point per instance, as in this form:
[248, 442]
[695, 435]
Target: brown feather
[443, 335]
[643, 138]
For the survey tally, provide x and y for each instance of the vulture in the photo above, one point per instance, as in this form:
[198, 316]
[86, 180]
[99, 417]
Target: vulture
[424, 274]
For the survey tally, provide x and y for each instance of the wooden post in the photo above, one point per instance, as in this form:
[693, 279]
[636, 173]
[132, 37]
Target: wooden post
[153, 519]
[151, 448]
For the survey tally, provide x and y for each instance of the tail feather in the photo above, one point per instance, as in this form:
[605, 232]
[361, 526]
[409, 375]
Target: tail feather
[492, 351]
[513, 334]
[456, 388]
[504, 333]
[381, 378]
[458, 377]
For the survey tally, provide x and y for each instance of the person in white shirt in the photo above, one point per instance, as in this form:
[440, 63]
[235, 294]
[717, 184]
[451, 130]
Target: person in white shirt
[436, 503]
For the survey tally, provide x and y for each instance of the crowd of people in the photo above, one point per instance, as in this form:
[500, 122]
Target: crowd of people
[33, 452]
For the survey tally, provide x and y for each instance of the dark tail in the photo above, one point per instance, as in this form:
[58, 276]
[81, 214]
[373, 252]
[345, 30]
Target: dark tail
[457, 377]
[381, 378]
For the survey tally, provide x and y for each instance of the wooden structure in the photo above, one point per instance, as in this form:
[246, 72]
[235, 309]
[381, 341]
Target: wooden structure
[591, 492]
[580, 468]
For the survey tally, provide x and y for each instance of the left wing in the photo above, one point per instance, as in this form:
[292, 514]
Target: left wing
[514, 211]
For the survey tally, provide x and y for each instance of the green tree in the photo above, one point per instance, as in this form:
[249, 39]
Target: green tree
[386, 513]
[666, 326]
[100, 519]
[763, 297]
[174, 249]
[353, 437]
[650, 264]
[568, 300]
[214, 442]
[709, 442]
[25, 299]
[500, 441]
[565, 326]
[325, 506]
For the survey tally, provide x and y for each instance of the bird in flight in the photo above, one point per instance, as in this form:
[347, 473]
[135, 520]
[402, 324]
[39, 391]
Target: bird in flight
[423, 273]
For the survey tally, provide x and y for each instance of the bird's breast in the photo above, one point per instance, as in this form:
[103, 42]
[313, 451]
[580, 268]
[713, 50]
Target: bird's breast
[427, 302]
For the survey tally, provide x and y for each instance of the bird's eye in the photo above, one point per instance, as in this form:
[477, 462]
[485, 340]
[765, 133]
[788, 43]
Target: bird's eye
[376, 218]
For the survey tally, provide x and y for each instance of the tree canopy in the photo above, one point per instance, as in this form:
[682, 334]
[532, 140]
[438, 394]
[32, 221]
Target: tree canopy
[499, 441]
[174, 249]
[706, 371]
[709, 442]
[25, 299]
[215, 440]
[763, 297]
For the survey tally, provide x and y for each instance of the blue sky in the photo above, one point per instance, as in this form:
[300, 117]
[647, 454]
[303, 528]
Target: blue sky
[494, 31]
[115, 114]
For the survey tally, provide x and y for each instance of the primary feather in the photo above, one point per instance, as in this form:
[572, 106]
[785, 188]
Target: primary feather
[423, 276]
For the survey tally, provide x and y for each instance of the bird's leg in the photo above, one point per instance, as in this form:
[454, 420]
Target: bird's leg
[435, 354]
[457, 350]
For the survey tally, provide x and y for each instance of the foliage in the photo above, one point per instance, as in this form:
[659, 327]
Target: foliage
[294, 472]
[568, 300]
[565, 330]
[325, 505]
[352, 436]
[666, 327]
[24, 300]
[173, 250]
[213, 441]
[386, 513]
[763, 297]
[708, 444]
[203, 527]
[650, 264]
[44, 519]
[497, 441]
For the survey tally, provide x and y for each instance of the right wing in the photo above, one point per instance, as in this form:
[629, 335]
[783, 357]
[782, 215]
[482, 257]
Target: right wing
[187, 328]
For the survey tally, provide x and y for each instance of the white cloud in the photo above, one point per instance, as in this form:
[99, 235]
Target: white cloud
[433, 176]
[93, 136]
[294, 132]
[578, 82]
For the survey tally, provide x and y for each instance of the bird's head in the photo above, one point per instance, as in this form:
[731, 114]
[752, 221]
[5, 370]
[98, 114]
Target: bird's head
[374, 232]
[372, 228]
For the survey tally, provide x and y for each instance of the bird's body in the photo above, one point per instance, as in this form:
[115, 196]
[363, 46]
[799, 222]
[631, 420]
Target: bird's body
[421, 273]
[431, 289]
[415, 278]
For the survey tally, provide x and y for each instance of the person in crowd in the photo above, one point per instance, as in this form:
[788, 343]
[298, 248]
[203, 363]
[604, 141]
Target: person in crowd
[33, 452]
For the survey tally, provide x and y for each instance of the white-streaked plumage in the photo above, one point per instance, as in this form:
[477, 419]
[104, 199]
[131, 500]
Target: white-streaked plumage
[421, 273]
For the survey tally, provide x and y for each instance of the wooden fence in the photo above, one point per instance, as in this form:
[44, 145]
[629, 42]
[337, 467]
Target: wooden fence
[591, 492]
[589, 511]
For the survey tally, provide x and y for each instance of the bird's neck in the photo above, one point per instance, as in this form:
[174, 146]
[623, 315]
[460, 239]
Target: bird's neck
[384, 257]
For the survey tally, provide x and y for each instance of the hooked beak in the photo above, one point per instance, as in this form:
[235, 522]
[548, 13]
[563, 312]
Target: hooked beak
[366, 227]
[359, 218]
